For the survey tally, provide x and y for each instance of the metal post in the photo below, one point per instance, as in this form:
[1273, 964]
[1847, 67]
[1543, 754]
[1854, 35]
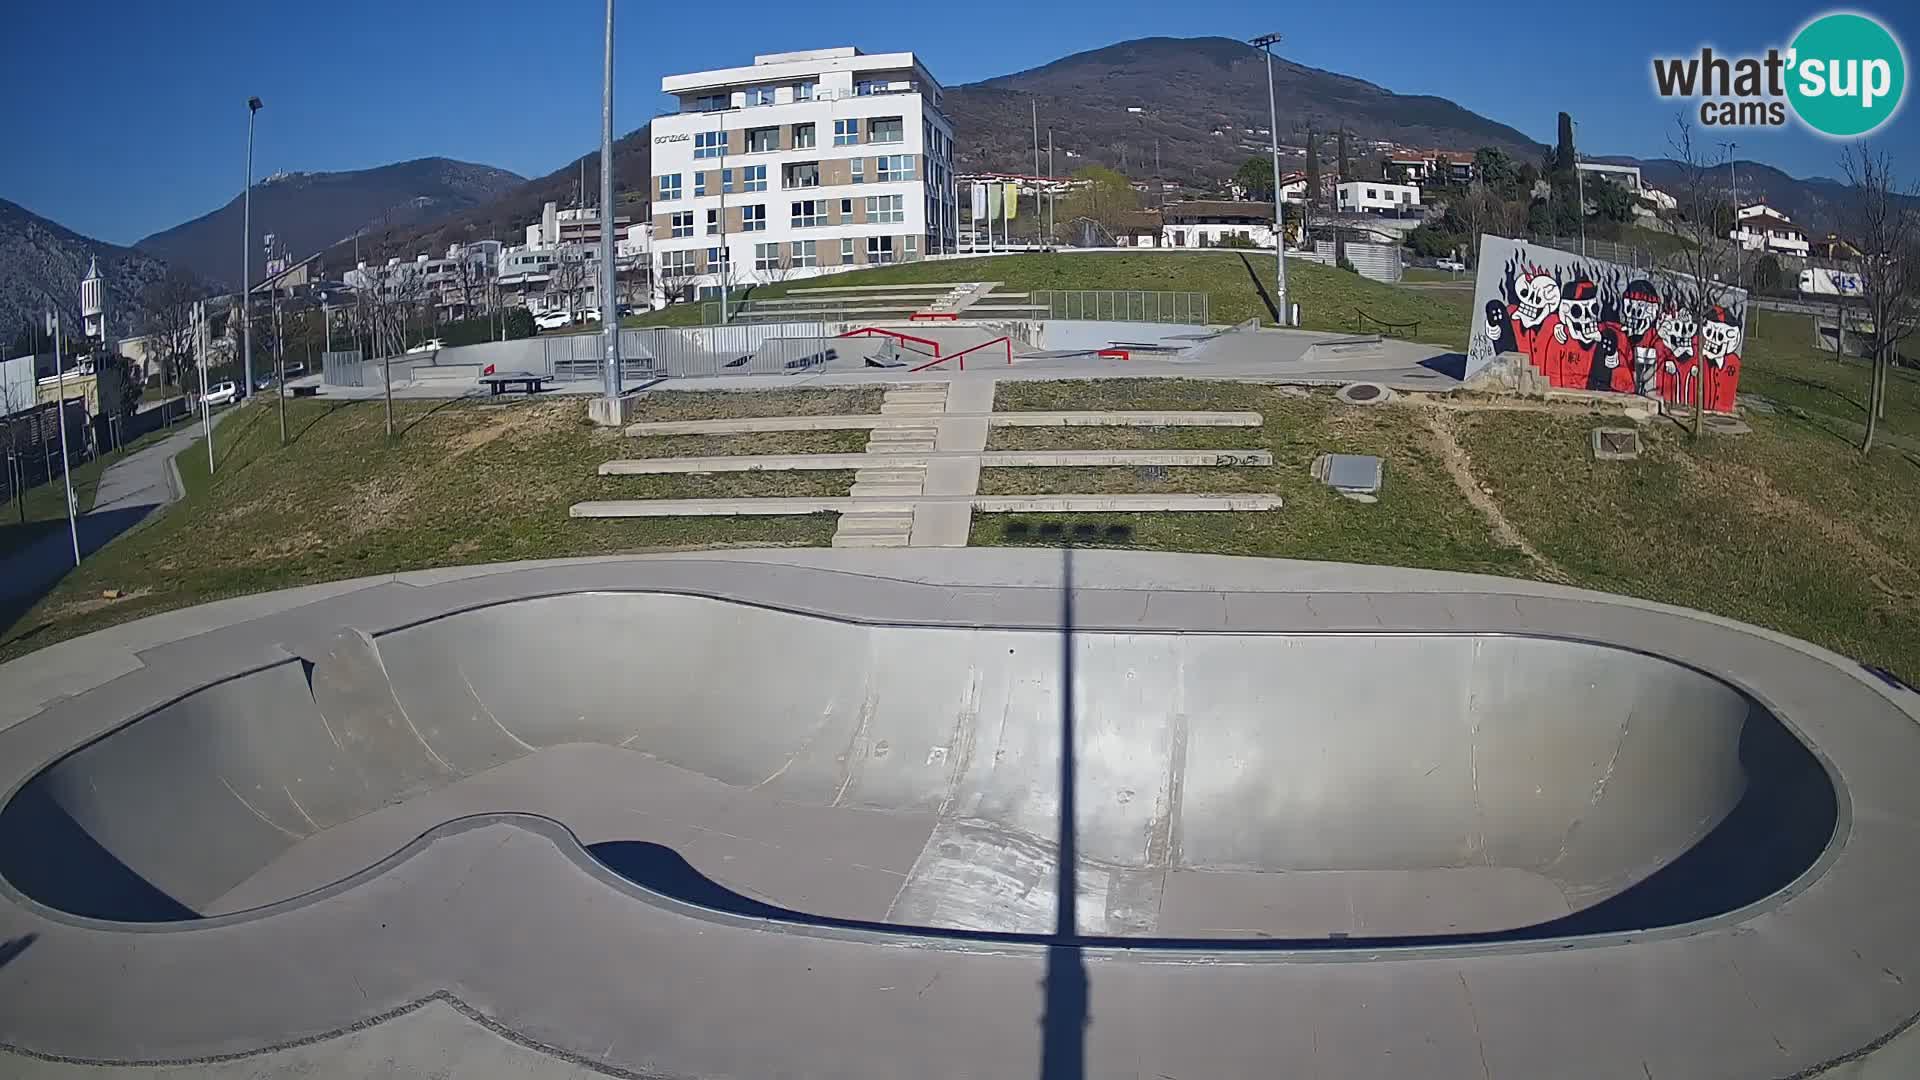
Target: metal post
[1035, 102]
[246, 258]
[1733, 178]
[60, 416]
[1053, 194]
[280, 364]
[206, 409]
[609, 287]
[725, 273]
[1580, 185]
[1265, 43]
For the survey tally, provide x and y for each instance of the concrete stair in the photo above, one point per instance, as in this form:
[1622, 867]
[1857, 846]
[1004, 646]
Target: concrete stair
[874, 530]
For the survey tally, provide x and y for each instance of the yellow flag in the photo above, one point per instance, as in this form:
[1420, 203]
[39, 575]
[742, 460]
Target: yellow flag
[1013, 201]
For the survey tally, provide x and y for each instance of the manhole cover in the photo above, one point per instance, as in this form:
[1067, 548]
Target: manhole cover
[1616, 444]
[1364, 394]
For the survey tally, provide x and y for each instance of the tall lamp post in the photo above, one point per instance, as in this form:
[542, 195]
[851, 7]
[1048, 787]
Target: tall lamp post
[1265, 43]
[246, 258]
[1733, 179]
[609, 282]
[1580, 185]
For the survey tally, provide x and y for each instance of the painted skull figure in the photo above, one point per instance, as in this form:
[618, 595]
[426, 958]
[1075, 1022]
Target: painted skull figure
[1639, 308]
[1677, 330]
[1580, 311]
[1719, 336]
[1536, 295]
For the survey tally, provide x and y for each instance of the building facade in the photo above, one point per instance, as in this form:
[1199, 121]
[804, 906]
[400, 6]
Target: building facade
[800, 164]
[1762, 228]
[1376, 197]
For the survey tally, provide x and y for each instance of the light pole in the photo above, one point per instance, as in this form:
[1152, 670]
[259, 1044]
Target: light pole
[609, 279]
[60, 415]
[1733, 179]
[246, 258]
[1265, 43]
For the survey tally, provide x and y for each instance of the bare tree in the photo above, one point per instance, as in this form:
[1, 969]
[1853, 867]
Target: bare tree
[1883, 226]
[166, 308]
[570, 274]
[1698, 267]
[675, 281]
[16, 397]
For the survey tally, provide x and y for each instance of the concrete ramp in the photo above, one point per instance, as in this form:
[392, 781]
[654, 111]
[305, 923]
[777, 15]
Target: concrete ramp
[1271, 786]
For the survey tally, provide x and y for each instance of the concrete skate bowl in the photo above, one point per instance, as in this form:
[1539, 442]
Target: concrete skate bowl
[1237, 791]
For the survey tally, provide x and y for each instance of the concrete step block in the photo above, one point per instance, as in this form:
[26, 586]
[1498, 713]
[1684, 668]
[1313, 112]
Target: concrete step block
[862, 490]
[913, 408]
[914, 476]
[863, 540]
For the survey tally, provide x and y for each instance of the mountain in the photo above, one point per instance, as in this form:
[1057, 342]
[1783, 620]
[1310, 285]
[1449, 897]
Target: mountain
[1187, 89]
[506, 216]
[41, 261]
[1814, 203]
[310, 211]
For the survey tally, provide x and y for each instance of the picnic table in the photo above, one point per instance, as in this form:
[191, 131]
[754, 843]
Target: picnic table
[527, 381]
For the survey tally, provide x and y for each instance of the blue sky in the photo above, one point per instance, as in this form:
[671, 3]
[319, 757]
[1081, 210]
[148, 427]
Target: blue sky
[156, 133]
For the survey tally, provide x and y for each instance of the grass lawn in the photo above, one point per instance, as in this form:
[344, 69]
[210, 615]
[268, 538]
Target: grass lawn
[466, 482]
[1423, 275]
[1420, 519]
[1237, 286]
[1781, 365]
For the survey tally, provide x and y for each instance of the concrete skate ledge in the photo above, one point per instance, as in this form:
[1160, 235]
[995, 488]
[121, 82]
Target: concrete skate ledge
[993, 504]
[1001, 459]
[1095, 418]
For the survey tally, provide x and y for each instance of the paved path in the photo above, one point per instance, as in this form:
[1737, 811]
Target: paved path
[130, 489]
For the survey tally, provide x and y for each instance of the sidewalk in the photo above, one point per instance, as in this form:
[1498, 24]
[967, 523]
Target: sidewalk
[129, 490]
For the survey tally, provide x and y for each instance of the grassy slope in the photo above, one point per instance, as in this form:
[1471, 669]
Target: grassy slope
[46, 505]
[1328, 298]
[465, 483]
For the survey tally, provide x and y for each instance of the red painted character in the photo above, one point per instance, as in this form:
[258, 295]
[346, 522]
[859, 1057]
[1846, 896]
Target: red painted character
[1519, 326]
[1572, 349]
[1676, 352]
[1639, 338]
[1720, 352]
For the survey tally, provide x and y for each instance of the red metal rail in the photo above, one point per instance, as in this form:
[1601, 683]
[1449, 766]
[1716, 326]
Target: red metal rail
[933, 316]
[869, 331]
[962, 354]
[1115, 354]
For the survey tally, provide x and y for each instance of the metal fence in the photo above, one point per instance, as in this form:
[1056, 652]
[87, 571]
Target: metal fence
[693, 351]
[343, 368]
[1110, 305]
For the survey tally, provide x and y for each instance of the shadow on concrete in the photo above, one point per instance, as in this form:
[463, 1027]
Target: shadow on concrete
[1452, 365]
[13, 947]
[47, 855]
[1259, 286]
[1063, 1038]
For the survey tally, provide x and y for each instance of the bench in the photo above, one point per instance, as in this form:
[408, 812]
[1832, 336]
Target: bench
[528, 382]
[306, 391]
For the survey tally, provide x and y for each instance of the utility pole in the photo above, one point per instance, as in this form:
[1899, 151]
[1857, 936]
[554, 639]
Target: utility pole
[60, 414]
[1265, 43]
[1053, 189]
[280, 364]
[1733, 178]
[725, 274]
[1580, 185]
[1035, 102]
[202, 342]
[610, 283]
[246, 259]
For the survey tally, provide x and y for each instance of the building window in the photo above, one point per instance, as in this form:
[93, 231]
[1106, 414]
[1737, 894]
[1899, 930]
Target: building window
[809, 213]
[912, 246]
[669, 187]
[858, 167]
[683, 224]
[766, 257]
[804, 253]
[846, 211]
[801, 176]
[894, 167]
[713, 223]
[846, 132]
[726, 181]
[867, 87]
[846, 249]
[699, 184]
[711, 103]
[676, 262]
[763, 140]
[760, 95]
[804, 91]
[753, 178]
[886, 208]
[879, 249]
[719, 258]
[803, 136]
[886, 129]
[1372, 194]
[753, 218]
[709, 144]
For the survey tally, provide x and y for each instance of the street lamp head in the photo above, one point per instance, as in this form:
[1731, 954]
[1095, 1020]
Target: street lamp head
[253, 104]
[1264, 41]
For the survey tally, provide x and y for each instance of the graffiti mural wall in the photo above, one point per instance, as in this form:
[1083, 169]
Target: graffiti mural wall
[1593, 325]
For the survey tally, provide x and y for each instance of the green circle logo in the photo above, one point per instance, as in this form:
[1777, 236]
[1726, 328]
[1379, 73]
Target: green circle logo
[1847, 74]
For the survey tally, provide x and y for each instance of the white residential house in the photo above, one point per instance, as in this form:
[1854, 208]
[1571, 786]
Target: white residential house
[1376, 197]
[1213, 222]
[800, 164]
[1762, 228]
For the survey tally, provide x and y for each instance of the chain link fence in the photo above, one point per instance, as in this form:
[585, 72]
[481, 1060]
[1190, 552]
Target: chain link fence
[1112, 305]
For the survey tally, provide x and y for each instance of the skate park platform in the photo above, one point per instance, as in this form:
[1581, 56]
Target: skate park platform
[965, 813]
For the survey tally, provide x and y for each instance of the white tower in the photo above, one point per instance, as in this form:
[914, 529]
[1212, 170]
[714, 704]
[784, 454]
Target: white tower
[93, 302]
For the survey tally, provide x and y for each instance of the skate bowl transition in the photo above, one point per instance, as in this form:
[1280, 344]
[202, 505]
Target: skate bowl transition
[1277, 791]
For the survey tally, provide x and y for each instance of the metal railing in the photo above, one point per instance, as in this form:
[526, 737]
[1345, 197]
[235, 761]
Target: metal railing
[1111, 305]
[699, 351]
[1409, 331]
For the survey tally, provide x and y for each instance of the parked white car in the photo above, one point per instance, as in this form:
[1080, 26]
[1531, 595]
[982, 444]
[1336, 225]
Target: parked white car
[221, 394]
[430, 345]
[552, 320]
[1451, 264]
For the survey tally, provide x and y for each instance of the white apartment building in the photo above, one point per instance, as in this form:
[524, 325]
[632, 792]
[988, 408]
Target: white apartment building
[1762, 228]
[1374, 196]
[803, 163]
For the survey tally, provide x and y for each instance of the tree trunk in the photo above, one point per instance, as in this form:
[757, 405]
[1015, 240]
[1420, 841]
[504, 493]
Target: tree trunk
[1873, 412]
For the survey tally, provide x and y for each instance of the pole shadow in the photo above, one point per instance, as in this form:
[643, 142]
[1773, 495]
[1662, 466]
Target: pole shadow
[1259, 286]
[13, 947]
[1063, 1040]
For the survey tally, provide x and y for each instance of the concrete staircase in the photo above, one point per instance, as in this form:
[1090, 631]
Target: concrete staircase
[891, 526]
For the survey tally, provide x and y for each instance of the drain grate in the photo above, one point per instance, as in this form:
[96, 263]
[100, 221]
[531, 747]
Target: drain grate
[1616, 444]
[1151, 474]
